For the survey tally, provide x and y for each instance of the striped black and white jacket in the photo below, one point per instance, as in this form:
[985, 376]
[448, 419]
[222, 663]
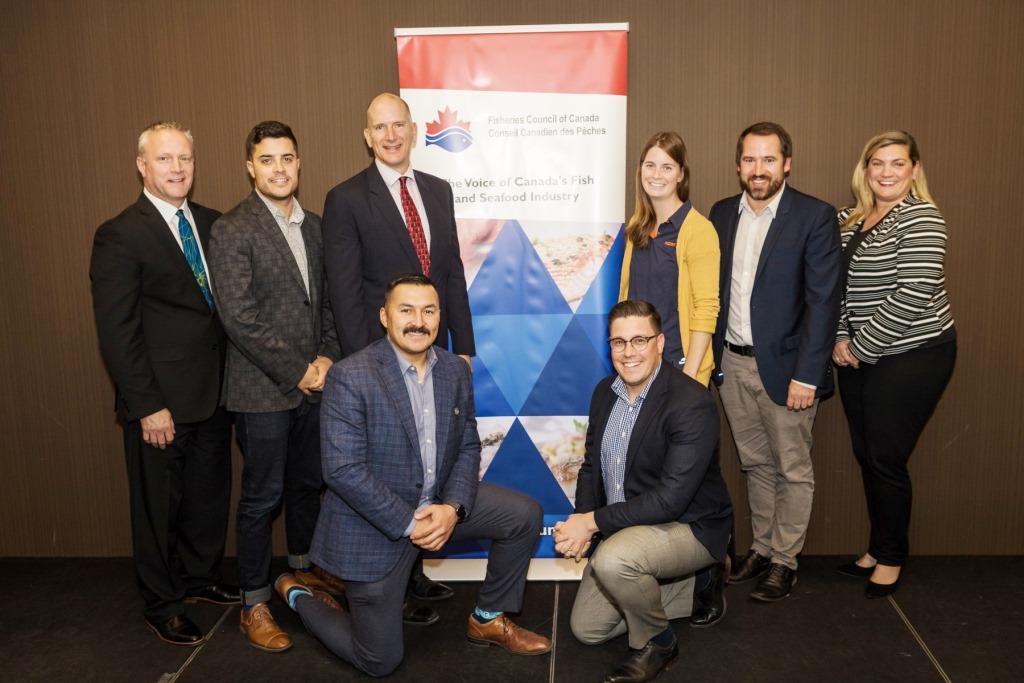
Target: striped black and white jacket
[895, 297]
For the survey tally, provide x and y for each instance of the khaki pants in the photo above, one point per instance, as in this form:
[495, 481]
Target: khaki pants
[774, 446]
[637, 580]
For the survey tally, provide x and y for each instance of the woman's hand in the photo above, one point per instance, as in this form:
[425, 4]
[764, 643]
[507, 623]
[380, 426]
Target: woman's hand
[841, 355]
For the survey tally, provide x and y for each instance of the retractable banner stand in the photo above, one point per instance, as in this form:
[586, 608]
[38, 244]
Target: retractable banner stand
[528, 125]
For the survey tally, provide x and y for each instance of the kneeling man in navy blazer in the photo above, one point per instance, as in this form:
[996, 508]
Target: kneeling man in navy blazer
[650, 492]
[401, 458]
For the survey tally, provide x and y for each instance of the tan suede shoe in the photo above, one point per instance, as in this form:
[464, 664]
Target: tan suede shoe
[320, 579]
[501, 631]
[258, 625]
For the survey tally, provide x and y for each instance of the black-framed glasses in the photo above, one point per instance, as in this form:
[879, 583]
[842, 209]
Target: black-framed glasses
[639, 343]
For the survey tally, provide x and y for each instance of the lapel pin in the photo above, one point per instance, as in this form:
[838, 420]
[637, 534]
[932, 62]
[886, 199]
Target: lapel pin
[456, 410]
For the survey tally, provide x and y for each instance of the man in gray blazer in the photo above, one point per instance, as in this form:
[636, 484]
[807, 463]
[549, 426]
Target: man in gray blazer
[401, 463]
[266, 255]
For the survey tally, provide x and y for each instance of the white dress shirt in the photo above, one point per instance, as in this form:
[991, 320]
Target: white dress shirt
[750, 235]
[391, 179]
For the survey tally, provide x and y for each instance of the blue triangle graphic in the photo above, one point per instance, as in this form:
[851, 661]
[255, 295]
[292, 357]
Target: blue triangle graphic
[512, 279]
[604, 290]
[515, 348]
[567, 383]
[487, 397]
[596, 329]
[518, 465]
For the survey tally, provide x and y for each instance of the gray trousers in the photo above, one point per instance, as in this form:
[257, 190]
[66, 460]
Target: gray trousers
[774, 446]
[369, 635]
[637, 580]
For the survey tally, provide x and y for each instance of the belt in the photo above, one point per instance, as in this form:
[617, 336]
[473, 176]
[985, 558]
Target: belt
[741, 350]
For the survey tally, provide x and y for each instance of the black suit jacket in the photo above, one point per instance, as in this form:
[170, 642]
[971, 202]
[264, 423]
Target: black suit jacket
[276, 328]
[794, 306]
[672, 471]
[162, 343]
[366, 244]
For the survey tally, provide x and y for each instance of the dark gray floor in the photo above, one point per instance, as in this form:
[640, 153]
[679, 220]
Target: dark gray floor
[959, 619]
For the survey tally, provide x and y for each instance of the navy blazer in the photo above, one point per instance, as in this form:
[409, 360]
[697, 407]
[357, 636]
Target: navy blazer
[371, 458]
[163, 344]
[672, 471]
[795, 302]
[366, 244]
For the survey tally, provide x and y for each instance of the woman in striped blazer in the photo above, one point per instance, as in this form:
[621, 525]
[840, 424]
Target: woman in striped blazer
[896, 343]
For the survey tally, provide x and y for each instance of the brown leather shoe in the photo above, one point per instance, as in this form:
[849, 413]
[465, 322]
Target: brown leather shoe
[320, 579]
[501, 631]
[286, 582]
[258, 625]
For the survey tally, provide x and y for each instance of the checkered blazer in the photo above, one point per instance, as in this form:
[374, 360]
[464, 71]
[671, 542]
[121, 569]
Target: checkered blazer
[274, 327]
[371, 458]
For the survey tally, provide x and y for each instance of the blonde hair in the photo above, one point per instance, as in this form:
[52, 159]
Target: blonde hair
[159, 126]
[640, 224]
[864, 197]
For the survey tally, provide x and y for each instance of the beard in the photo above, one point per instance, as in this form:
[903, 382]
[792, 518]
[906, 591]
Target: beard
[769, 191]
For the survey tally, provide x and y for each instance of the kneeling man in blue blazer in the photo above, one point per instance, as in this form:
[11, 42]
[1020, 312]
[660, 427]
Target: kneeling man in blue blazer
[401, 459]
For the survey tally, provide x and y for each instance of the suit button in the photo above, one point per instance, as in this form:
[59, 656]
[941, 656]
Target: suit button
[306, 302]
[419, 486]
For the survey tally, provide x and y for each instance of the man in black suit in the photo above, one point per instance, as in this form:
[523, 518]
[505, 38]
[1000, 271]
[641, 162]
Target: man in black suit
[267, 259]
[163, 343]
[650, 492]
[384, 221]
[780, 303]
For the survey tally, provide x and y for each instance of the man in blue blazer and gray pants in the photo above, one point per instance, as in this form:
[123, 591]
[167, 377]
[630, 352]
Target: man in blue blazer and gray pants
[401, 460]
[780, 303]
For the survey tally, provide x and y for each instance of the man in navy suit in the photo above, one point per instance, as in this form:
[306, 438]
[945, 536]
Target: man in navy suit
[780, 302]
[401, 459]
[384, 221]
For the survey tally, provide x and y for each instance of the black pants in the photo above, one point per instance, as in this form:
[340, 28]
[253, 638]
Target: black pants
[282, 465]
[887, 406]
[369, 636]
[179, 510]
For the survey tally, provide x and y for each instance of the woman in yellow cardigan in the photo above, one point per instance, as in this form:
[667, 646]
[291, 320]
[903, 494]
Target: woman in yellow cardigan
[672, 256]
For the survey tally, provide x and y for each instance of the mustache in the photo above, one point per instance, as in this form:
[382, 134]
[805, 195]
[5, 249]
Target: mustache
[414, 329]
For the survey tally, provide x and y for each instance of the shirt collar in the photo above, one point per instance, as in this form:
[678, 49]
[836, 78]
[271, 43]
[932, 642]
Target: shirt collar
[167, 210]
[298, 215]
[390, 175]
[404, 364]
[619, 387]
[676, 219]
[773, 208]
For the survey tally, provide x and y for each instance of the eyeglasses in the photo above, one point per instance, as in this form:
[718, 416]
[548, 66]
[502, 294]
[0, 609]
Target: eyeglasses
[639, 343]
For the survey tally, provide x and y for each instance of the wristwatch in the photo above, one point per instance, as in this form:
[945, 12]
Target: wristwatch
[460, 511]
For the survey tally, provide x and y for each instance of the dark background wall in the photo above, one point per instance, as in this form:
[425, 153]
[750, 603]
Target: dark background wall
[82, 78]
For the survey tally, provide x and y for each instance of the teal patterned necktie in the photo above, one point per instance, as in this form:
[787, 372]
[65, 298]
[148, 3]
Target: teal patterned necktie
[195, 261]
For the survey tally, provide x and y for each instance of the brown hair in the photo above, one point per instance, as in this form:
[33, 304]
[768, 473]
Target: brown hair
[640, 224]
[635, 308]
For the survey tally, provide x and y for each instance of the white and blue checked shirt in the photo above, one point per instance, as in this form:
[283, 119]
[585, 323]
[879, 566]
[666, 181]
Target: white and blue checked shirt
[615, 442]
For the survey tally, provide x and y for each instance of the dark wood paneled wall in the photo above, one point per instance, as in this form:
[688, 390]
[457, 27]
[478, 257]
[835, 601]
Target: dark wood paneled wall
[81, 78]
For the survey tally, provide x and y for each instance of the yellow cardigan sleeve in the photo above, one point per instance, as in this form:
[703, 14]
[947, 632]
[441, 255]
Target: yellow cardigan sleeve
[699, 259]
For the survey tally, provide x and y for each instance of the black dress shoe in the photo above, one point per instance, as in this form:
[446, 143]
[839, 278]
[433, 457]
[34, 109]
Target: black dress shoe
[776, 585]
[855, 570]
[415, 615]
[644, 664]
[709, 603]
[750, 567]
[177, 630]
[422, 588]
[215, 594]
[880, 590]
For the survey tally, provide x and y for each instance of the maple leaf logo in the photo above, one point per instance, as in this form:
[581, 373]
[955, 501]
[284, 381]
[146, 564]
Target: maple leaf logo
[446, 119]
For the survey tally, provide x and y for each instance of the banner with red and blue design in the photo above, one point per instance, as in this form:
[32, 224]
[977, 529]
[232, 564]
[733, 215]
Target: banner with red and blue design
[528, 125]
